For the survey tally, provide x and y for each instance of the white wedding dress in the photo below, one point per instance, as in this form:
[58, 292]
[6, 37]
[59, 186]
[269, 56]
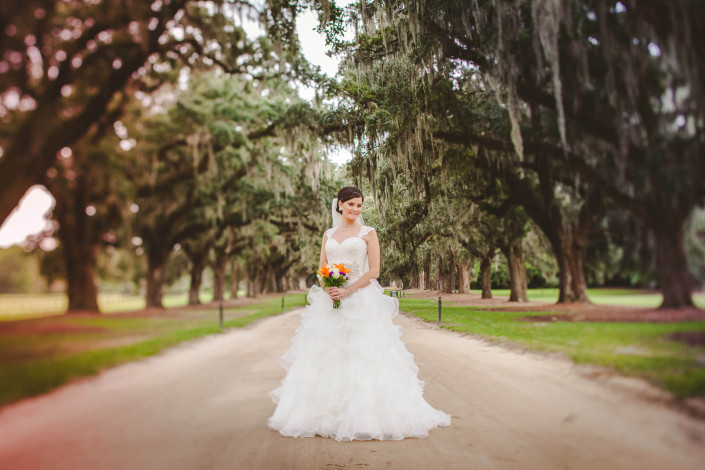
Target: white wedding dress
[349, 376]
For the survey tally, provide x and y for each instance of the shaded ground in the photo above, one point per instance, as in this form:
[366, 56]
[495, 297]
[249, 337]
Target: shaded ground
[602, 313]
[692, 338]
[204, 404]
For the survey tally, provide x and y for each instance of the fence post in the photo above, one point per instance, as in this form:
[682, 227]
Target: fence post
[220, 314]
[439, 310]
[283, 302]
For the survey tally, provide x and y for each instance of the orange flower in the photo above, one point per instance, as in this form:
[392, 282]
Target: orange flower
[324, 271]
[341, 267]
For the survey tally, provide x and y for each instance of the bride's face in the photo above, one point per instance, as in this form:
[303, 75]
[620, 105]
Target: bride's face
[351, 208]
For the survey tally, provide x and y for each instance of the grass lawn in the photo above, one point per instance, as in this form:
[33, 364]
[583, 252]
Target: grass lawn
[636, 349]
[39, 354]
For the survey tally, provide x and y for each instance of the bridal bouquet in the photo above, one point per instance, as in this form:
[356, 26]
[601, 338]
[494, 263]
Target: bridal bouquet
[334, 276]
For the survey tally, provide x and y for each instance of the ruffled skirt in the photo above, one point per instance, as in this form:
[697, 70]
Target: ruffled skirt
[349, 376]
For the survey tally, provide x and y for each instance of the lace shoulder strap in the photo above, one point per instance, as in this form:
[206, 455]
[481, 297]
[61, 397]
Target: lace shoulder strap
[365, 230]
[329, 232]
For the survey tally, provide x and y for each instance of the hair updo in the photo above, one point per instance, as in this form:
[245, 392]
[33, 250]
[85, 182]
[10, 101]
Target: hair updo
[347, 193]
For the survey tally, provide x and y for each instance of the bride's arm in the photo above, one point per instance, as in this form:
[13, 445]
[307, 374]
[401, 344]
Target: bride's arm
[373, 257]
[324, 259]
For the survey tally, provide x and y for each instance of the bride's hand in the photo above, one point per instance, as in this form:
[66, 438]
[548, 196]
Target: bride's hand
[331, 291]
[337, 293]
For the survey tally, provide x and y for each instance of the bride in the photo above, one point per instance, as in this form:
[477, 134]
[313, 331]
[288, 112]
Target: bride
[349, 376]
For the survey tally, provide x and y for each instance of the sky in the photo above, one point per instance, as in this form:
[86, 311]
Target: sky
[28, 217]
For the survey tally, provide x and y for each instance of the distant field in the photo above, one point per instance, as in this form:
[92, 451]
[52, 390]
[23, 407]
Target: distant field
[18, 306]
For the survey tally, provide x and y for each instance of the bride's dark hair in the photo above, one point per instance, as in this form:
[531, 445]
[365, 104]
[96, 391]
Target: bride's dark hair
[347, 193]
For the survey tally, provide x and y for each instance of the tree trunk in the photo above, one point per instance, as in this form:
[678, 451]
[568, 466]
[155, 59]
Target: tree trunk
[486, 275]
[672, 265]
[270, 280]
[264, 283]
[405, 280]
[79, 248]
[252, 275]
[81, 285]
[156, 271]
[197, 253]
[197, 266]
[278, 281]
[464, 275]
[261, 283]
[235, 275]
[416, 280]
[567, 241]
[426, 273]
[436, 278]
[80, 237]
[219, 277]
[445, 269]
[517, 272]
[411, 273]
[568, 250]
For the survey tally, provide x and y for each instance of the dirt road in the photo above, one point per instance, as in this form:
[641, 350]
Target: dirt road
[204, 405]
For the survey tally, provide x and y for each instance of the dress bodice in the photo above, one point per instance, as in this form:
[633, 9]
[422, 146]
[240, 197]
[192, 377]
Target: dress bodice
[352, 252]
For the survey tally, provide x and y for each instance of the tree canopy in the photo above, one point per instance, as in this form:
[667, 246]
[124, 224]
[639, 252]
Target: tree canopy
[574, 107]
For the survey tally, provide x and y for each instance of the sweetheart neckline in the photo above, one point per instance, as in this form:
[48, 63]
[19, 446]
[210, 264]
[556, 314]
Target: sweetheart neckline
[349, 238]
